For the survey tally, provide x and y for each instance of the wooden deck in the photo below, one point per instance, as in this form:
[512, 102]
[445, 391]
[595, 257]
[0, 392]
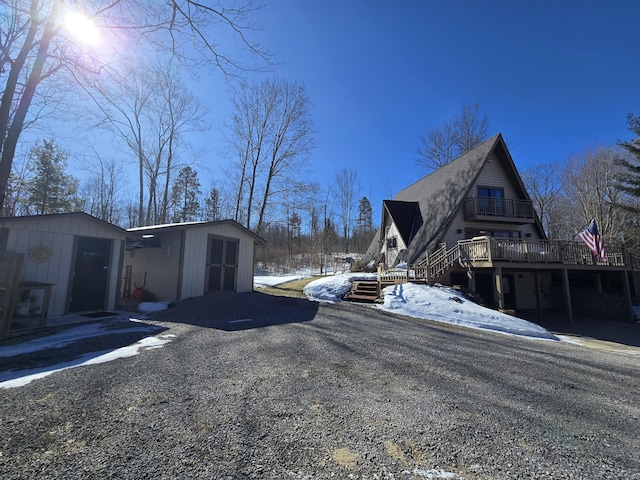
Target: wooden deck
[489, 252]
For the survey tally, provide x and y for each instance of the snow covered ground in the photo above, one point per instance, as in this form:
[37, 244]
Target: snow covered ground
[442, 304]
[18, 378]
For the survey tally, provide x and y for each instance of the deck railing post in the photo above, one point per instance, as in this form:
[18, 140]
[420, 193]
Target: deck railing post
[427, 270]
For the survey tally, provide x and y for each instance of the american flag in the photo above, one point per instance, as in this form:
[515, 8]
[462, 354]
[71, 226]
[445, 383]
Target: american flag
[592, 238]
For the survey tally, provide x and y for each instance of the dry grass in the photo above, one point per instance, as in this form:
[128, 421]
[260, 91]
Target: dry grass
[288, 289]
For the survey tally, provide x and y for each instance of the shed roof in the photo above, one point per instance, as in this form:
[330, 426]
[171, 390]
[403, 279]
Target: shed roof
[81, 215]
[186, 225]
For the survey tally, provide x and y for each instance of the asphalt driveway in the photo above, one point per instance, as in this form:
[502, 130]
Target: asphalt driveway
[255, 386]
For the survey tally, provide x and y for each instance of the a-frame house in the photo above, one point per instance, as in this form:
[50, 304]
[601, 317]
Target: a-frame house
[472, 223]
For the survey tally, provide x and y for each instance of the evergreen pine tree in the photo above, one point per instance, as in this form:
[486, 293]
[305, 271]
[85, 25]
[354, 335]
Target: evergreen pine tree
[629, 182]
[185, 195]
[365, 213]
[51, 190]
[212, 205]
[364, 225]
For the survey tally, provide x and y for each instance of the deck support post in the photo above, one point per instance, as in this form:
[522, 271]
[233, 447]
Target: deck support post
[497, 288]
[597, 279]
[567, 295]
[627, 296]
[538, 295]
[471, 275]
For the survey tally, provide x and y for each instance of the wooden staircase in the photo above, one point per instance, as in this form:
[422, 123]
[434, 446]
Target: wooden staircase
[363, 291]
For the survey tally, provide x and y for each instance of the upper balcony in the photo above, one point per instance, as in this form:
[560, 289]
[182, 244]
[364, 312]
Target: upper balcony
[502, 210]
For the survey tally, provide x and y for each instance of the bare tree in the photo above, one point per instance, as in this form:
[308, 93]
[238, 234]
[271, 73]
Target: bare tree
[590, 186]
[101, 191]
[347, 191]
[271, 138]
[249, 137]
[544, 184]
[464, 132]
[35, 47]
[16, 201]
[151, 111]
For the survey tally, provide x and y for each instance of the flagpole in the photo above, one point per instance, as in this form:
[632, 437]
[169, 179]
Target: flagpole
[581, 230]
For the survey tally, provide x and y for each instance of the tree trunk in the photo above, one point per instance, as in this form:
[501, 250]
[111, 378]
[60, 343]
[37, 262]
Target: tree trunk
[11, 133]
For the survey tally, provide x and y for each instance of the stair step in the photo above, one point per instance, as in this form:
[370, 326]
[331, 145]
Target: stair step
[354, 297]
[367, 288]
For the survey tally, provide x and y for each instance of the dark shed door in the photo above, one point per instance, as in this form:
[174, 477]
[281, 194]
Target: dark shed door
[222, 264]
[91, 274]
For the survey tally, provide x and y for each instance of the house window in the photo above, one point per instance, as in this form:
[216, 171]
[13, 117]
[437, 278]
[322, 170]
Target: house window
[392, 242]
[491, 201]
[499, 233]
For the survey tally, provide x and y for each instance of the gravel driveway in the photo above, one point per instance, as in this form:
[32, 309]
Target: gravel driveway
[256, 386]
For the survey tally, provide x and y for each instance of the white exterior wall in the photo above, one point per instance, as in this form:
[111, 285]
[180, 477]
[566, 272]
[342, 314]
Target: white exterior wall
[58, 233]
[491, 175]
[390, 254]
[195, 258]
[160, 264]
[176, 271]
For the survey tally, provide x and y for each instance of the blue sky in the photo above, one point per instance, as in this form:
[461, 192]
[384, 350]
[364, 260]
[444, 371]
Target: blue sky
[553, 77]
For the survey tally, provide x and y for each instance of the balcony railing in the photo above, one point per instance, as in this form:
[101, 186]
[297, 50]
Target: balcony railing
[541, 251]
[506, 208]
[481, 252]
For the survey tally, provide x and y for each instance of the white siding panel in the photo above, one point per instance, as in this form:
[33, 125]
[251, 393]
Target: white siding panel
[165, 268]
[195, 262]
[493, 175]
[392, 253]
[246, 265]
[58, 232]
[452, 236]
[195, 258]
[56, 271]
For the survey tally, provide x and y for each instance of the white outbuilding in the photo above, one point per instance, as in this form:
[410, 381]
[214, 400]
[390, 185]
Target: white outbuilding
[72, 262]
[181, 260]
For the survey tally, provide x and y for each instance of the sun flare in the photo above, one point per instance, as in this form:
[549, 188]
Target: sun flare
[82, 28]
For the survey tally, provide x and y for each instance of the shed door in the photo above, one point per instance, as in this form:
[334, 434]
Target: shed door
[222, 264]
[91, 274]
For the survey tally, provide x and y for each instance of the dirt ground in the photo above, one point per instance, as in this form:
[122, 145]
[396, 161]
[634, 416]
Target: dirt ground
[289, 289]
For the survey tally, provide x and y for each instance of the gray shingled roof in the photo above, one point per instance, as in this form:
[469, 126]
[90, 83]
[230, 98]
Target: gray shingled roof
[441, 193]
[438, 196]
